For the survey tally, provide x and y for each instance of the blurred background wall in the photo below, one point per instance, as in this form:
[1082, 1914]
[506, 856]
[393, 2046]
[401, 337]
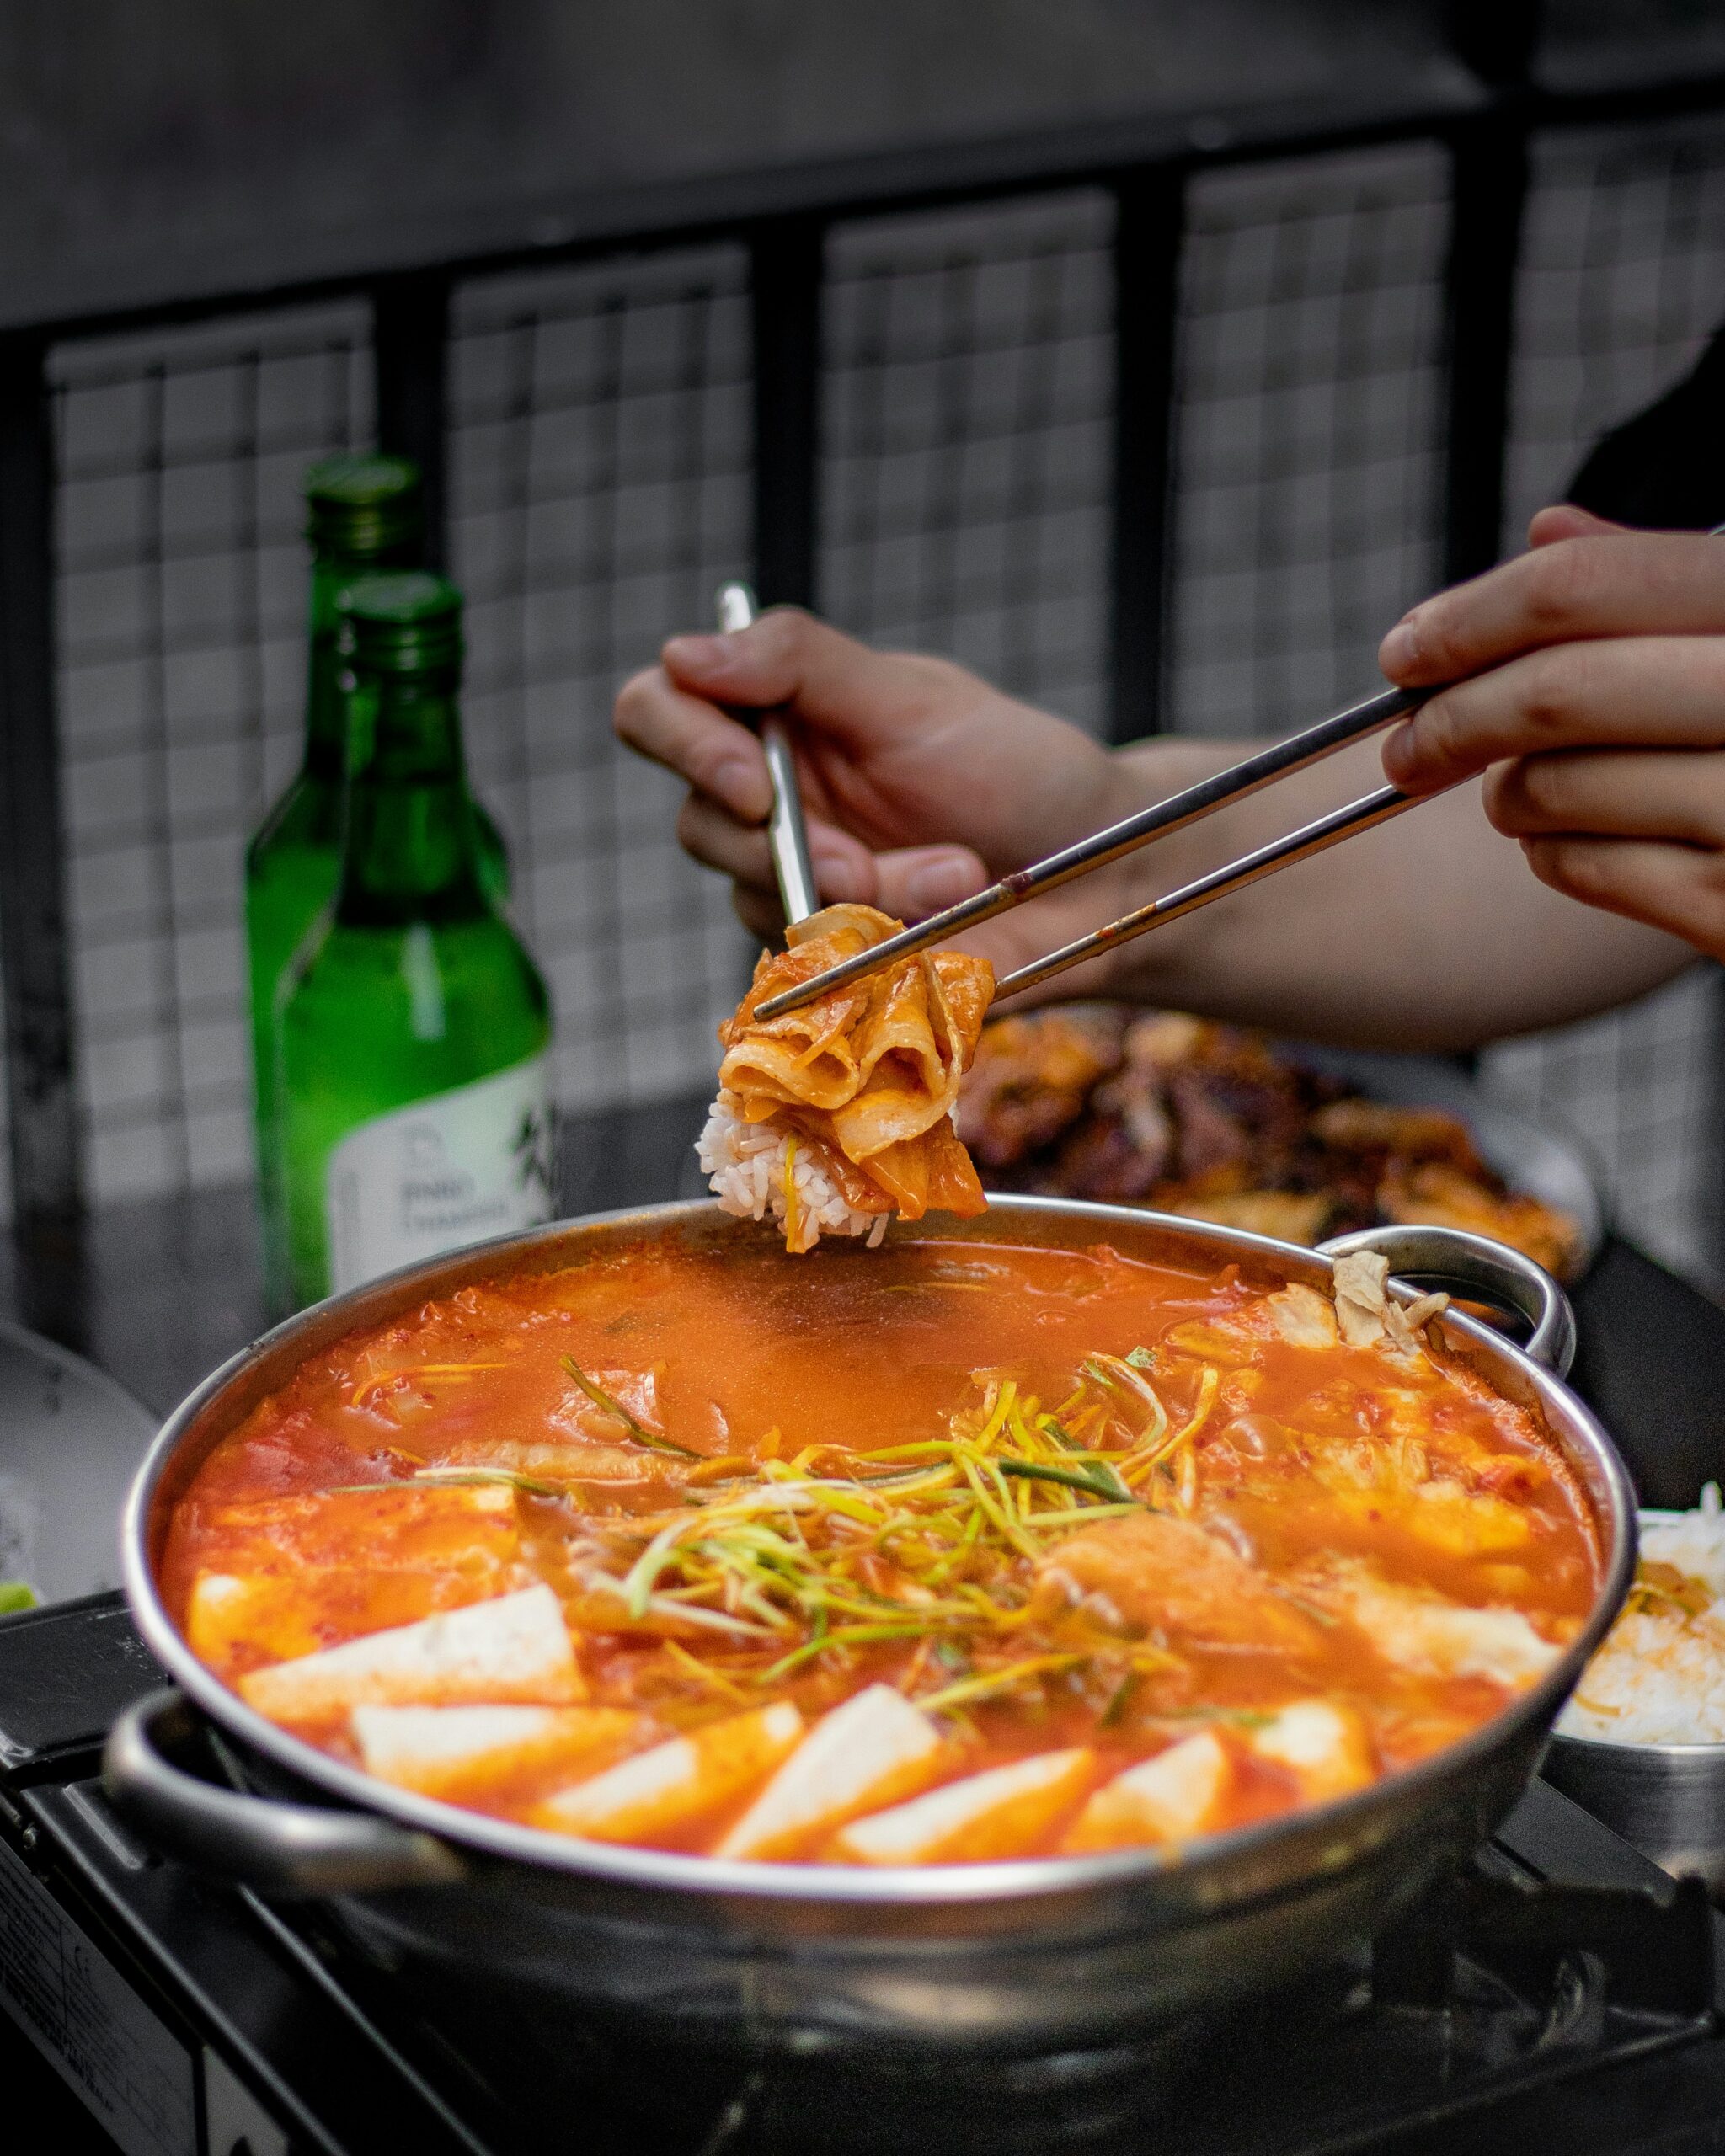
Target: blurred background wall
[197, 204]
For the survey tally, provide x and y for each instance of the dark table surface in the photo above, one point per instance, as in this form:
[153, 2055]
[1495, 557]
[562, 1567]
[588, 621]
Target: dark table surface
[169, 1287]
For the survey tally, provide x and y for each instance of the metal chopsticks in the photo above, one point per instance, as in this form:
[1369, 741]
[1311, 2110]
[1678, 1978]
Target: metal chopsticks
[1179, 810]
[786, 834]
[1316, 837]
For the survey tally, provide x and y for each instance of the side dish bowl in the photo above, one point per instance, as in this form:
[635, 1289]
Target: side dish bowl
[1667, 1799]
[1033, 1956]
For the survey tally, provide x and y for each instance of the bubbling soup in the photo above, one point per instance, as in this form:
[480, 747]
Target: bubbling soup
[951, 1551]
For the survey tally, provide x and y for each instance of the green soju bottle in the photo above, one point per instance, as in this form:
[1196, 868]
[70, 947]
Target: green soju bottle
[364, 513]
[414, 1067]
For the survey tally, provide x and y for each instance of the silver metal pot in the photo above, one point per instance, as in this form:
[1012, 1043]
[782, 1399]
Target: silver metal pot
[1031, 1957]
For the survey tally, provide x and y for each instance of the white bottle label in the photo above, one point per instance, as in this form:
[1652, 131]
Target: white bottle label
[443, 1172]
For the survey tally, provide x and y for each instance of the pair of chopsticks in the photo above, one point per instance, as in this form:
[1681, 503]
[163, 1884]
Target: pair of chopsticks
[788, 841]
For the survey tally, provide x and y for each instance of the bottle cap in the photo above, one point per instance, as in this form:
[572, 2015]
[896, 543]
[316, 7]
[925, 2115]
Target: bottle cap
[409, 622]
[365, 508]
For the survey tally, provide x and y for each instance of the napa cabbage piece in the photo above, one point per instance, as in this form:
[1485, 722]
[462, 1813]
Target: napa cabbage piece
[1419, 1629]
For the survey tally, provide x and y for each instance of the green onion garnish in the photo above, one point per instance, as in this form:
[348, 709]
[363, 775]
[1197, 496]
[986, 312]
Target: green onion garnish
[638, 1431]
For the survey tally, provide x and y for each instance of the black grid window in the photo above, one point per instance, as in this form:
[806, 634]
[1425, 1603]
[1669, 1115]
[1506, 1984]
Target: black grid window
[1623, 279]
[181, 613]
[1307, 431]
[600, 480]
[966, 450]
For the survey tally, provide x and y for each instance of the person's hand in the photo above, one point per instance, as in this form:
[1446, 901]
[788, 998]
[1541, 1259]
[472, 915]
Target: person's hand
[1591, 676]
[920, 783]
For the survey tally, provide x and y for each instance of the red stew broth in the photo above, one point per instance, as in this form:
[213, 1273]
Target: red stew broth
[738, 1354]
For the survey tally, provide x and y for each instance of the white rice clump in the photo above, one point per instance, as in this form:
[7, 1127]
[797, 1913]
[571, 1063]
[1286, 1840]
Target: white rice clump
[745, 1165]
[1659, 1678]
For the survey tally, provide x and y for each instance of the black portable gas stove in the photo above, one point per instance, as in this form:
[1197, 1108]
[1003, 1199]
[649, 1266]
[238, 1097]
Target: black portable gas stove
[1563, 1994]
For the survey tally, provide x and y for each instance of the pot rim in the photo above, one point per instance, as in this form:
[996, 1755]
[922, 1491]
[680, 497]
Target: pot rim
[836, 1886]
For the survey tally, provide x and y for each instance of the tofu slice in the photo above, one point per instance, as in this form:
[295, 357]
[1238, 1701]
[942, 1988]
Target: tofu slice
[1000, 1813]
[1177, 1794]
[676, 1784]
[515, 1648]
[1324, 1746]
[872, 1751]
[456, 1752]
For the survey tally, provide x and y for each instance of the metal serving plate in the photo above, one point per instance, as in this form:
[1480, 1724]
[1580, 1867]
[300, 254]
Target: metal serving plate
[1549, 1165]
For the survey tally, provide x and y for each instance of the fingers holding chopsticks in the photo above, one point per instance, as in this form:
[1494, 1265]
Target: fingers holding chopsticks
[1579, 581]
[1597, 636]
[914, 772]
[1624, 692]
[1589, 685]
[909, 881]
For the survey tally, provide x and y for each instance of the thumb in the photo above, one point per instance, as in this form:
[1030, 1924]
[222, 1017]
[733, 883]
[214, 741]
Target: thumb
[1565, 520]
[909, 882]
[916, 881]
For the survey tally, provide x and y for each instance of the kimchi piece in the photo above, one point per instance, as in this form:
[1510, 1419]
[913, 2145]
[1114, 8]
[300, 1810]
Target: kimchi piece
[834, 1117]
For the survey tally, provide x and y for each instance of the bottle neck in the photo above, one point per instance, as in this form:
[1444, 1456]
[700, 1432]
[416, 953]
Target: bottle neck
[410, 848]
[326, 702]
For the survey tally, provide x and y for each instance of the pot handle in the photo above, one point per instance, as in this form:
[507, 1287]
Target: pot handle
[283, 1850]
[1474, 1264]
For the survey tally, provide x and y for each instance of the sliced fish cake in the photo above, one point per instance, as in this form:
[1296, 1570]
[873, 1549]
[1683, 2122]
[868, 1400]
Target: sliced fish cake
[874, 1750]
[677, 1783]
[1181, 1793]
[461, 1752]
[1001, 1812]
[1152, 1572]
[513, 1649]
